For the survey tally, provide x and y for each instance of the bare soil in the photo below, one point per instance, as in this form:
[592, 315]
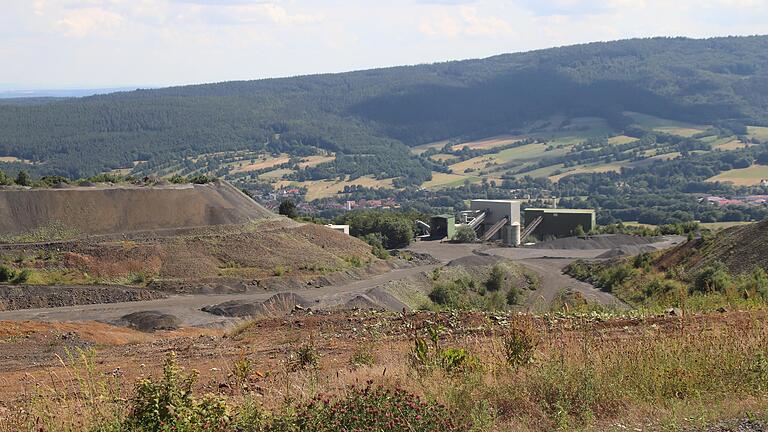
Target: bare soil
[118, 209]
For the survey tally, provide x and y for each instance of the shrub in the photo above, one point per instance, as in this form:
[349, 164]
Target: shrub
[5, 180]
[464, 234]
[306, 357]
[363, 357]
[447, 294]
[376, 240]
[23, 179]
[374, 409]
[21, 277]
[6, 274]
[497, 278]
[714, 277]
[519, 346]
[513, 296]
[395, 229]
[279, 270]
[288, 208]
[201, 179]
[170, 405]
[456, 359]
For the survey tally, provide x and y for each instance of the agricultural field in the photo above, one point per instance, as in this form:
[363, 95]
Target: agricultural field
[743, 176]
[728, 143]
[443, 180]
[264, 161]
[758, 132]
[12, 159]
[492, 142]
[600, 168]
[317, 189]
[665, 125]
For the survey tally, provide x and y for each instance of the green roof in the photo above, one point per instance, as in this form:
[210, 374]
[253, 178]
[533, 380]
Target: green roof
[561, 210]
[444, 216]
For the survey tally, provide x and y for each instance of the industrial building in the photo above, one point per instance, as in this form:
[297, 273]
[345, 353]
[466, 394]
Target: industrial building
[442, 226]
[494, 220]
[558, 222]
[499, 220]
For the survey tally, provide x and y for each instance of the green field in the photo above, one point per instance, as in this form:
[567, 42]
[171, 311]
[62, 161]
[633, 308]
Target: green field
[758, 132]
[665, 125]
[743, 176]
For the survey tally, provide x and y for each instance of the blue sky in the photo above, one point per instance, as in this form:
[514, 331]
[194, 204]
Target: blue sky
[107, 43]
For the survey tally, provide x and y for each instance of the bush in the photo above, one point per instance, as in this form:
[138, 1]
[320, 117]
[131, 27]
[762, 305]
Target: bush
[22, 276]
[464, 234]
[5, 180]
[376, 240]
[446, 294]
[394, 229]
[306, 357]
[519, 346]
[714, 277]
[497, 279]
[6, 274]
[170, 405]
[373, 409]
[23, 179]
[288, 208]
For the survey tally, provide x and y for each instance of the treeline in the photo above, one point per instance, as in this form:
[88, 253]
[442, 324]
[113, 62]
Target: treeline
[369, 118]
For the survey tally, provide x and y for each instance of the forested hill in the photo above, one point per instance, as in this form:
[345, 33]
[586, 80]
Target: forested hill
[368, 118]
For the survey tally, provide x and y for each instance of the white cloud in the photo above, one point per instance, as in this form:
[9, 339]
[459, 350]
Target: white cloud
[483, 26]
[84, 22]
[158, 42]
[465, 21]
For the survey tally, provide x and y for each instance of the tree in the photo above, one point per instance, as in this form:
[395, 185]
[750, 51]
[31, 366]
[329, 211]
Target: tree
[464, 234]
[288, 208]
[497, 278]
[23, 179]
[5, 180]
[579, 231]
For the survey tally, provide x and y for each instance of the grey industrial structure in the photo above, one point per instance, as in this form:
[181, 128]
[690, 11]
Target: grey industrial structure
[499, 220]
[559, 222]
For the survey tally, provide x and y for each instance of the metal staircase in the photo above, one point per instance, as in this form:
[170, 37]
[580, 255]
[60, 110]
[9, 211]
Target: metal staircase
[530, 228]
[494, 229]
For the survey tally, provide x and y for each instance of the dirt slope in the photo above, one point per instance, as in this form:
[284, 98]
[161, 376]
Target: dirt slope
[740, 248]
[117, 209]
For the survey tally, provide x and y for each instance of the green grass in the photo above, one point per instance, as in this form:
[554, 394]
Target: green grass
[758, 132]
[743, 176]
[666, 125]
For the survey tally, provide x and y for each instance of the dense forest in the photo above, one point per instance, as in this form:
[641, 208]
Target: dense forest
[370, 118]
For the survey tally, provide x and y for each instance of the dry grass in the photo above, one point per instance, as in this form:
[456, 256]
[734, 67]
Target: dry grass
[585, 374]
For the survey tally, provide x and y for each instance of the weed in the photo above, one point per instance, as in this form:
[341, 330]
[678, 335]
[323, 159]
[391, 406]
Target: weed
[519, 347]
[363, 357]
[170, 405]
[305, 357]
[279, 270]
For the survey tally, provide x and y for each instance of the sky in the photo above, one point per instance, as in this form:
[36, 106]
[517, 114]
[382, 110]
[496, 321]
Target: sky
[151, 43]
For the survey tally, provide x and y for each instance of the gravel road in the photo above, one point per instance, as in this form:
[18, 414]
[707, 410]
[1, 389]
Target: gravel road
[548, 263]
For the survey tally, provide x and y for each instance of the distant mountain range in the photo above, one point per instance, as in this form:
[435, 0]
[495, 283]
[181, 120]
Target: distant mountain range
[369, 119]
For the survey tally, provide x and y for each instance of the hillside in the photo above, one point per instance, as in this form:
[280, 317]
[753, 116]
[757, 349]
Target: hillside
[368, 119]
[740, 248]
[119, 209]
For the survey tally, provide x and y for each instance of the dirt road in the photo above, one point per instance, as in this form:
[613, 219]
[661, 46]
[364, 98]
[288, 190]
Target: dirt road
[187, 307]
[548, 263]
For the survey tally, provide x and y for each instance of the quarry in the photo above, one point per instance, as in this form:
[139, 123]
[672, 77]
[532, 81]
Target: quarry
[130, 273]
